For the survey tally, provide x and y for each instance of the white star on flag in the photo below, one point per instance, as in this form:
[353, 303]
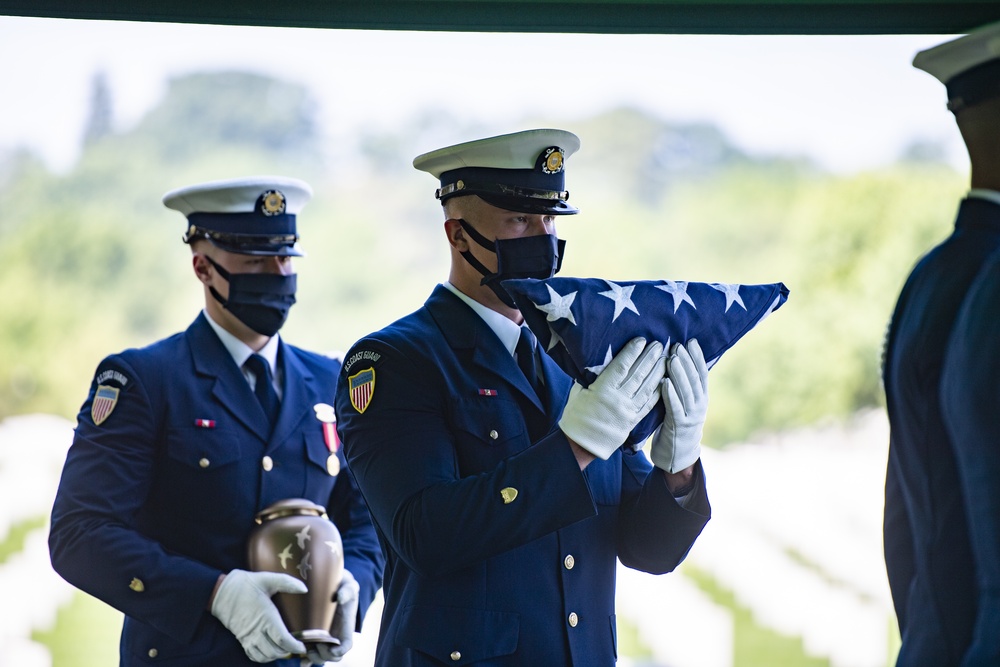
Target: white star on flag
[558, 307]
[622, 296]
[596, 370]
[732, 293]
[555, 340]
[678, 290]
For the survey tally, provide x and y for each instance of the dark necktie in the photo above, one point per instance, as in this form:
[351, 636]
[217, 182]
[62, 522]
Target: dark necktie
[264, 388]
[525, 353]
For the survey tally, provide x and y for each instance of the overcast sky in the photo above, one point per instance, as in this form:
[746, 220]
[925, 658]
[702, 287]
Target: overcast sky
[850, 102]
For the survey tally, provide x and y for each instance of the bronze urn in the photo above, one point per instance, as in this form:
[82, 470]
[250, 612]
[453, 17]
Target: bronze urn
[295, 537]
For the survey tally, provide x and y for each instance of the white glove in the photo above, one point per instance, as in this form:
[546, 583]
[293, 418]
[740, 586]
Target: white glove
[600, 417]
[343, 624]
[243, 604]
[677, 443]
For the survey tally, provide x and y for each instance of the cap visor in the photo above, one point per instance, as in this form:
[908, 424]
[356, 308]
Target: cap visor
[258, 249]
[525, 205]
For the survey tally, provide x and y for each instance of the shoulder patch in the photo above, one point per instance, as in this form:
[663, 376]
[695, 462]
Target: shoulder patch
[105, 400]
[362, 388]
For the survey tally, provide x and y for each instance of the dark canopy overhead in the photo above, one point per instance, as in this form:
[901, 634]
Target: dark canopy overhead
[806, 17]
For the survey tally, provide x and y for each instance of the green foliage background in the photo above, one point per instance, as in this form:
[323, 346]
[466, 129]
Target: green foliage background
[91, 262]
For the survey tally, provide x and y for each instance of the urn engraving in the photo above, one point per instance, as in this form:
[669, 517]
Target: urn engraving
[295, 537]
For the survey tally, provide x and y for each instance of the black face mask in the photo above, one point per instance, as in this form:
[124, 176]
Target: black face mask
[537, 256]
[259, 300]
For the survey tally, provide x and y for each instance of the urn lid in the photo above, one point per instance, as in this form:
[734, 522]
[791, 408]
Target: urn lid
[290, 507]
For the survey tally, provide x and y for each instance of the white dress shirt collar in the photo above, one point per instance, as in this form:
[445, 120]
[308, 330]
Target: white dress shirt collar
[506, 330]
[240, 351]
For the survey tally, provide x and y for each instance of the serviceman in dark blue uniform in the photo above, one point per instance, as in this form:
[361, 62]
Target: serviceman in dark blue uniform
[970, 395]
[932, 572]
[181, 443]
[498, 487]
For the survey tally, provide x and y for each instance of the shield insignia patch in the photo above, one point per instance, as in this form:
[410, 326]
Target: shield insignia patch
[362, 387]
[104, 403]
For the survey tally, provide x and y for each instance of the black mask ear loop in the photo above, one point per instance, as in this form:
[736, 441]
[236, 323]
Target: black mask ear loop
[225, 275]
[482, 241]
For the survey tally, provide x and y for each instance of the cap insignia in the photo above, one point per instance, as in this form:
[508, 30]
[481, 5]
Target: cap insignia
[552, 160]
[271, 203]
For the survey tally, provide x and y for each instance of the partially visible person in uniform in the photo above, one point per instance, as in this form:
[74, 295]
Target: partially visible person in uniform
[181, 443]
[970, 395]
[931, 569]
[499, 488]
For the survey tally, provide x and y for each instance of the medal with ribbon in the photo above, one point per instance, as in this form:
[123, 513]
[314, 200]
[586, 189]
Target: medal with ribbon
[328, 418]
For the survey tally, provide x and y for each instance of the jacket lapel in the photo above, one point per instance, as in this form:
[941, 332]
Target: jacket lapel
[213, 362]
[472, 338]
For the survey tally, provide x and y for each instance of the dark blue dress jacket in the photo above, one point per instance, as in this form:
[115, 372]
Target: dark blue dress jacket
[500, 551]
[970, 393]
[926, 536]
[158, 500]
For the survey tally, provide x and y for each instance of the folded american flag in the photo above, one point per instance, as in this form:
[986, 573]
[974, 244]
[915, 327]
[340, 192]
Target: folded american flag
[583, 322]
